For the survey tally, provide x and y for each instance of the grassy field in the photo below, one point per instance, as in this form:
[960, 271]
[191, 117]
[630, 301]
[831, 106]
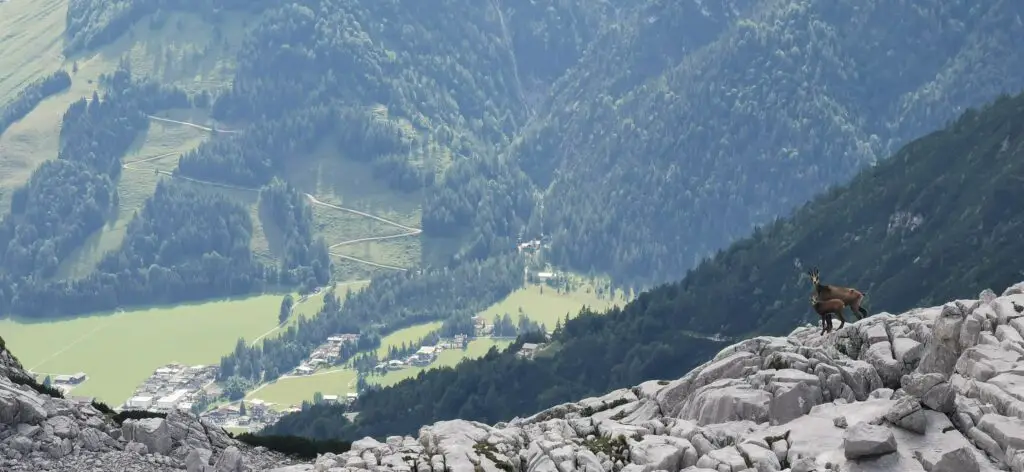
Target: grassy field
[407, 336]
[334, 179]
[339, 380]
[119, 351]
[292, 391]
[186, 51]
[546, 306]
[448, 358]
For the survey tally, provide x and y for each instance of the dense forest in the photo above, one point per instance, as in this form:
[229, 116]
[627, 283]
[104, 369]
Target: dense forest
[510, 114]
[937, 220]
[389, 303]
[699, 120]
[69, 198]
[32, 95]
[184, 245]
[306, 260]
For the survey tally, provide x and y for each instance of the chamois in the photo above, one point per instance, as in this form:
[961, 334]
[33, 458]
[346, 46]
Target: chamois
[828, 310]
[849, 296]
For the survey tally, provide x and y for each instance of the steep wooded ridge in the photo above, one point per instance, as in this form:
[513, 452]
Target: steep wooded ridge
[938, 219]
[689, 123]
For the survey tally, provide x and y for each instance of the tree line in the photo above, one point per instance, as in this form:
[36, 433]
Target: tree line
[306, 260]
[32, 95]
[184, 244]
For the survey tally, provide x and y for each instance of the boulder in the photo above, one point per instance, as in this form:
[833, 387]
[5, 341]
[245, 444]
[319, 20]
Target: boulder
[907, 414]
[867, 440]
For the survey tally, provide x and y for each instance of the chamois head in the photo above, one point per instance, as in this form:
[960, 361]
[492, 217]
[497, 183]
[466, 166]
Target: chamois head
[815, 280]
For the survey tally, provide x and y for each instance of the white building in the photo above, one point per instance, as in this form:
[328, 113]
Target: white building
[330, 399]
[171, 400]
[140, 402]
[425, 355]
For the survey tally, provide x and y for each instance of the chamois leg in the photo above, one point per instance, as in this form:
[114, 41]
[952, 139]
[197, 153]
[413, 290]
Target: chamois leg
[858, 310]
[842, 319]
[824, 324]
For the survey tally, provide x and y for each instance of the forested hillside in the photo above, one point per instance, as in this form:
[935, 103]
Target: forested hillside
[691, 122]
[938, 220]
[641, 136]
[183, 245]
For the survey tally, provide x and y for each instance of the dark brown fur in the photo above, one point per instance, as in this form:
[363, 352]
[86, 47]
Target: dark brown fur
[850, 297]
[827, 310]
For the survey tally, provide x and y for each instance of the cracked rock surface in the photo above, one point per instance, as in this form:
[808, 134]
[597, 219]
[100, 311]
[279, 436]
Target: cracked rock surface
[937, 389]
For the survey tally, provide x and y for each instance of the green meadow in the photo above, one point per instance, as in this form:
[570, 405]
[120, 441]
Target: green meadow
[541, 304]
[119, 351]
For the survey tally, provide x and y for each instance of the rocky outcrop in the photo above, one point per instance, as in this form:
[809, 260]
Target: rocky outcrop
[936, 389]
[42, 433]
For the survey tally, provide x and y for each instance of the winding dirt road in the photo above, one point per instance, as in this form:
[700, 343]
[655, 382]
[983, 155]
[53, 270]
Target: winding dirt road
[197, 126]
[409, 231]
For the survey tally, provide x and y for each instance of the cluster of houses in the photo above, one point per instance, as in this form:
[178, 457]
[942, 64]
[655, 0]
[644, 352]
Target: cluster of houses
[325, 354]
[171, 386]
[259, 414]
[425, 356]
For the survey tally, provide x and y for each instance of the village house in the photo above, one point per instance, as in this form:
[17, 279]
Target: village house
[528, 350]
[424, 356]
[139, 402]
[257, 408]
[73, 379]
[303, 370]
[170, 401]
[350, 398]
[330, 400]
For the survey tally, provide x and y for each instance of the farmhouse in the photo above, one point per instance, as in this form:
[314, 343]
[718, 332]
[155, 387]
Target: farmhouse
[303, 370]
[330, 399]
[73, 379]
[425, 355]
[528, 350]
[351, 398]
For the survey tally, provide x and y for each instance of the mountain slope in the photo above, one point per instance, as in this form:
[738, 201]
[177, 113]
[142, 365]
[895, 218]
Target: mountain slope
[933, 389]
[937, 219]
[686, 126]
